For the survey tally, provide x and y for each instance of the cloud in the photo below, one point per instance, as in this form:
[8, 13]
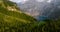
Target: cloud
[17, 1]
[44, 1]
[40, 0]
[49, 1]
[23, 1]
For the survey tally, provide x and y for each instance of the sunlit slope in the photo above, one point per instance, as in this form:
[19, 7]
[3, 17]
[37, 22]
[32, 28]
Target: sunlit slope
[10, 13]
[15, 16]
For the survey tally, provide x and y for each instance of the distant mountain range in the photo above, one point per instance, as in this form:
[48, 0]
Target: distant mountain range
[35, 8]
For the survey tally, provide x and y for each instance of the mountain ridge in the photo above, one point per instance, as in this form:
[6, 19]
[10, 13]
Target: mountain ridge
[13, 12]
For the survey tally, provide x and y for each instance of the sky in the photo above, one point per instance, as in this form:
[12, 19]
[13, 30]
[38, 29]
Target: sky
[23, 1]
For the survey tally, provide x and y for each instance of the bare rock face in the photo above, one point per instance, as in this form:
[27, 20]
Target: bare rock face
[42, 9]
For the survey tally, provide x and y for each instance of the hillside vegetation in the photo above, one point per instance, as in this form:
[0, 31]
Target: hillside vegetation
[13, 20]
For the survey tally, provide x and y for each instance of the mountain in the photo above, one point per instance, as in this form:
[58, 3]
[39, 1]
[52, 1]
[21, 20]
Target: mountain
[33, 7]
[42, 9]
[13, 20]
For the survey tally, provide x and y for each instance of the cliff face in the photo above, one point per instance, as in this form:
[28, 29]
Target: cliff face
[33, 7]
[44, 9]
